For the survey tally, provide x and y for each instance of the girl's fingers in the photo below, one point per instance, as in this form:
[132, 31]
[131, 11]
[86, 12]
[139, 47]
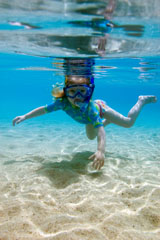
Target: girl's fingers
[92, 157]
[97, 164]
[16, 120]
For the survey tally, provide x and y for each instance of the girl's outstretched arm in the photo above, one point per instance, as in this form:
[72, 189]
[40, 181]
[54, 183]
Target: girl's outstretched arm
[98, 157]
[34, 113]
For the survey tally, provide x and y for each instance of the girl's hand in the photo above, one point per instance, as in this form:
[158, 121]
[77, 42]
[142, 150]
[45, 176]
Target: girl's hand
[18, 119]
[98, 159]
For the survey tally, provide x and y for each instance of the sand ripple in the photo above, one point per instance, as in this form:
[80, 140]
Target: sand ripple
[48, 192]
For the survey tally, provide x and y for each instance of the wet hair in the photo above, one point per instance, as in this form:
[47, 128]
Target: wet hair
[57, 93]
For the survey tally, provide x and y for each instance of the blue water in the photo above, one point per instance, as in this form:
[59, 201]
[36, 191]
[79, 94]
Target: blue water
[48, 189]
[27, 82]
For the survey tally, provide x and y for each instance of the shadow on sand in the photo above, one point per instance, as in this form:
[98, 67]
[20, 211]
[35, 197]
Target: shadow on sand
[66, 172]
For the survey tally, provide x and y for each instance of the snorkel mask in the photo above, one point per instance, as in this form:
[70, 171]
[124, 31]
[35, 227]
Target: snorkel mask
[80, 92]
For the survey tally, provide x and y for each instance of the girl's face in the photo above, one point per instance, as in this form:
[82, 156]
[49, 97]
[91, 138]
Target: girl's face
[78, 91]
[77, 94]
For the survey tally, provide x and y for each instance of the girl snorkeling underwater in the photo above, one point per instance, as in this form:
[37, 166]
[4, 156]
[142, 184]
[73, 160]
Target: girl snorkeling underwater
[76, 100]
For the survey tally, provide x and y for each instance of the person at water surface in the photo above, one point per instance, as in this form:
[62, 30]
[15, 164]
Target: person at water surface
[76, 100]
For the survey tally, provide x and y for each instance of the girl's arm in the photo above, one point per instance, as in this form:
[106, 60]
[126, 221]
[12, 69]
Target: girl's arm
[34, 113]
[98, 157]
[101, 139]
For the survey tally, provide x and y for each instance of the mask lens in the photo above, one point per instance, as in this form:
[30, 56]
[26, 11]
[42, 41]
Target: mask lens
[83, 91]
[73, 91]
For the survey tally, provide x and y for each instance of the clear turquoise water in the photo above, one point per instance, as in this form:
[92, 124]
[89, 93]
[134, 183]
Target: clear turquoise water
[48, 189]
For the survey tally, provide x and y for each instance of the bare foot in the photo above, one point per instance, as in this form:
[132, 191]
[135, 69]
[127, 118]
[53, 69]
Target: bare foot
[148, 99]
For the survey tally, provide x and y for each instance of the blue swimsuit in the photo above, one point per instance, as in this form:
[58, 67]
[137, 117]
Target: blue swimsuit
[91, 115]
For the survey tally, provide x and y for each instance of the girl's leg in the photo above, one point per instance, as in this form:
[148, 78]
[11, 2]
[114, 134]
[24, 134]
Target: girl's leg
[111, 116]
[106, 122]
[117, 118]
[91, 132]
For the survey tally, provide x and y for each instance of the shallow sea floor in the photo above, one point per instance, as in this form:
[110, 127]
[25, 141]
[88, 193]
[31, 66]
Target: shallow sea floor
[48, 189]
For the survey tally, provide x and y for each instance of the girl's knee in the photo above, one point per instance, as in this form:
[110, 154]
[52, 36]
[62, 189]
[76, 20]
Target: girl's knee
[91, 132]
[91, 137]
[129, 124]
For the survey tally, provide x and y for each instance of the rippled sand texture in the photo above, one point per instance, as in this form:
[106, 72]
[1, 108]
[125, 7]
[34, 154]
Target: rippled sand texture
[48, 190]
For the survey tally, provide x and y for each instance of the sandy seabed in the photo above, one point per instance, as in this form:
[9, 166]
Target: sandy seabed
[48, 189]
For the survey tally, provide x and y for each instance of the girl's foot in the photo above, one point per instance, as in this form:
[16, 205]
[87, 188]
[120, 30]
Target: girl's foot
[148, 99]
